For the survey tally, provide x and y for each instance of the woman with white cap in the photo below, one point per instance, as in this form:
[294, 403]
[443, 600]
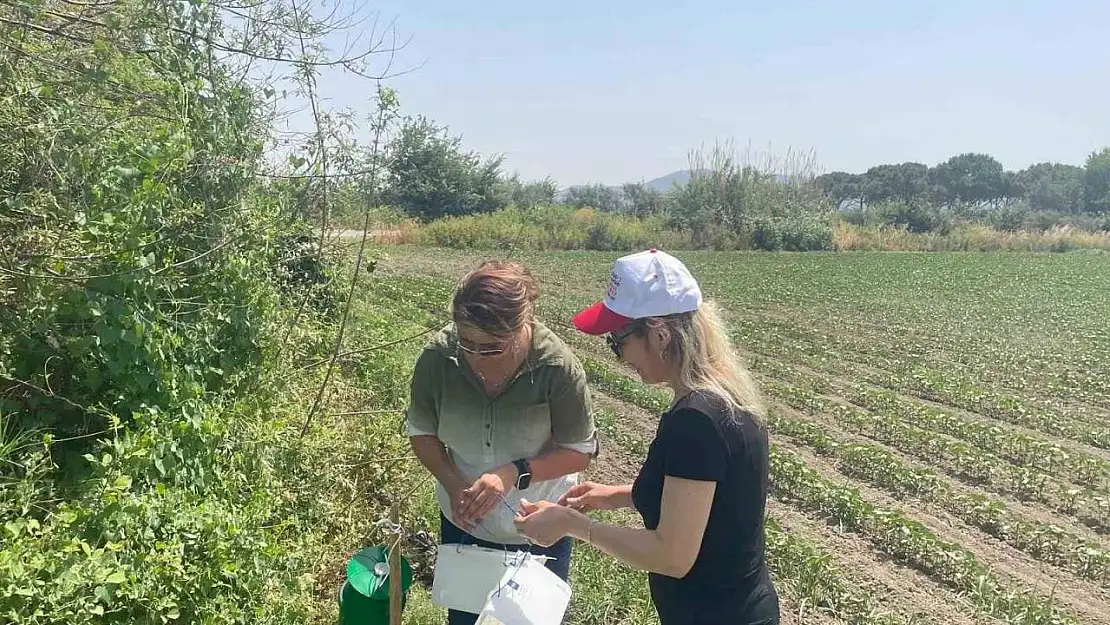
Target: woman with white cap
[703, 488]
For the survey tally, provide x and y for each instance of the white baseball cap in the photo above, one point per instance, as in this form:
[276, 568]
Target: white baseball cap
[646, 284]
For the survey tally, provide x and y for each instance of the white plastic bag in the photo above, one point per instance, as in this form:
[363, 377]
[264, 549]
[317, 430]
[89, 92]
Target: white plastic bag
[527, 594]
[465, 575]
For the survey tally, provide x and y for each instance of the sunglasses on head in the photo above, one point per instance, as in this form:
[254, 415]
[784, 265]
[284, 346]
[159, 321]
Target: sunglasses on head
[485, 350]
[616, 341]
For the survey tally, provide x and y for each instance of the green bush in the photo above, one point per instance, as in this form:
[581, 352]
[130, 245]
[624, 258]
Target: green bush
[798, 233]
[168, 526]
[730, 204]
[145, 281]
[1040, 221]
[135, 268]
[551, 227]
[916, 216]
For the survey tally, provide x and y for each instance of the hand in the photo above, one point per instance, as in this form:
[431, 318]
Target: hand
[487, 492]
[545, 523]
[457, 506]
[589, 496]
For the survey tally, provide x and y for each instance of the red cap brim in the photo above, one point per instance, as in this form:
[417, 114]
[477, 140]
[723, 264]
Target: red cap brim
[598, 319]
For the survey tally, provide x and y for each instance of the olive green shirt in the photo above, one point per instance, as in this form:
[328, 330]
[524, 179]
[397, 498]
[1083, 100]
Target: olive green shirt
[547, 405]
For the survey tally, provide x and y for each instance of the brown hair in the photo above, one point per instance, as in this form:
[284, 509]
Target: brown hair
[498, 298]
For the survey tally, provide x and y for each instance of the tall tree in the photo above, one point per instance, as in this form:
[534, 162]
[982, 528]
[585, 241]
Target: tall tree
[640, 199]
[431, 176]
[1051, 187]
[904, 181]
[597, 196]
[841, 186]
[970, 177]
[1096, 182]
[530, 194]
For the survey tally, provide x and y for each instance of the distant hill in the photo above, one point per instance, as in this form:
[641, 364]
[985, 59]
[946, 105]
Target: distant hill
[665, 183]
[661, 184]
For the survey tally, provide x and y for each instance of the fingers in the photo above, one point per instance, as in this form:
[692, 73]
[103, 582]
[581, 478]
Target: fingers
[527, 507]
[460, 516]
[475, 505]
[574, 492]
[462, 519]
[578, 503]
[486, 504]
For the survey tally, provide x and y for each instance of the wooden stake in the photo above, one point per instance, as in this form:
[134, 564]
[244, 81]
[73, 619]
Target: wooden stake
[395, 573]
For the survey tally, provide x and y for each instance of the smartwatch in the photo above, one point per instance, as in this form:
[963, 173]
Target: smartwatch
[523, 474]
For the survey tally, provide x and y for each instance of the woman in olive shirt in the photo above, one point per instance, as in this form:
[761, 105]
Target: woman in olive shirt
[499, 410]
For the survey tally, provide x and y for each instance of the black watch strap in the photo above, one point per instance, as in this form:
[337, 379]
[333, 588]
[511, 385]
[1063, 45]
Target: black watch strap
[523, 473]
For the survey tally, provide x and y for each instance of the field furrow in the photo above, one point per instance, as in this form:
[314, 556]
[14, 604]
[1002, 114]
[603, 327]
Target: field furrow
[1010, 568]
[922, 463]
[1077, 421]
[879, 467]
[897, 589]
[1086, 467]
[968, 463]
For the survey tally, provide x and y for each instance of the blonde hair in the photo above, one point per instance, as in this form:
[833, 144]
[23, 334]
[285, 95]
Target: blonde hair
[707, 361]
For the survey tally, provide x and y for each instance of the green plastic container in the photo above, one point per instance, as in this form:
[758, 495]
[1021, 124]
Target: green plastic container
[364, 598]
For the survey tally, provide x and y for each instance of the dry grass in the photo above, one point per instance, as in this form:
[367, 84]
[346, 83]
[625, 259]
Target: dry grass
[972, 238]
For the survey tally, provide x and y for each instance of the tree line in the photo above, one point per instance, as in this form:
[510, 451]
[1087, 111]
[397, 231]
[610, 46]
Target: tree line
[429, 174]
[974, 178]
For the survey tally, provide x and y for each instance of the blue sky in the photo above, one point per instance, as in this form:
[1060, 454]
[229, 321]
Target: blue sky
[612, 91]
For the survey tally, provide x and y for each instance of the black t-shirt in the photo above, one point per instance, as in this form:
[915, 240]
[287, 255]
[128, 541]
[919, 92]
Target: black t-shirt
[701, 439]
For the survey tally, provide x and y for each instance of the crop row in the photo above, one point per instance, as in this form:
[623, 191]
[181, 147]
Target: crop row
[1067, 374]
[1020, 449]
[876, 465]
[808, 574]
[607, 422]
[909, 541]
[951, 387]
[956, 458]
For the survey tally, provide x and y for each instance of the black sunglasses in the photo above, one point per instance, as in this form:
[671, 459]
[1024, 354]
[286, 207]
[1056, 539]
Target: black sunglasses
[617, 341]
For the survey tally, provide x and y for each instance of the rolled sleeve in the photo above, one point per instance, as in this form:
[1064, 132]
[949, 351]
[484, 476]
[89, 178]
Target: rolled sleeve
[422, 415]
[572, 422]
